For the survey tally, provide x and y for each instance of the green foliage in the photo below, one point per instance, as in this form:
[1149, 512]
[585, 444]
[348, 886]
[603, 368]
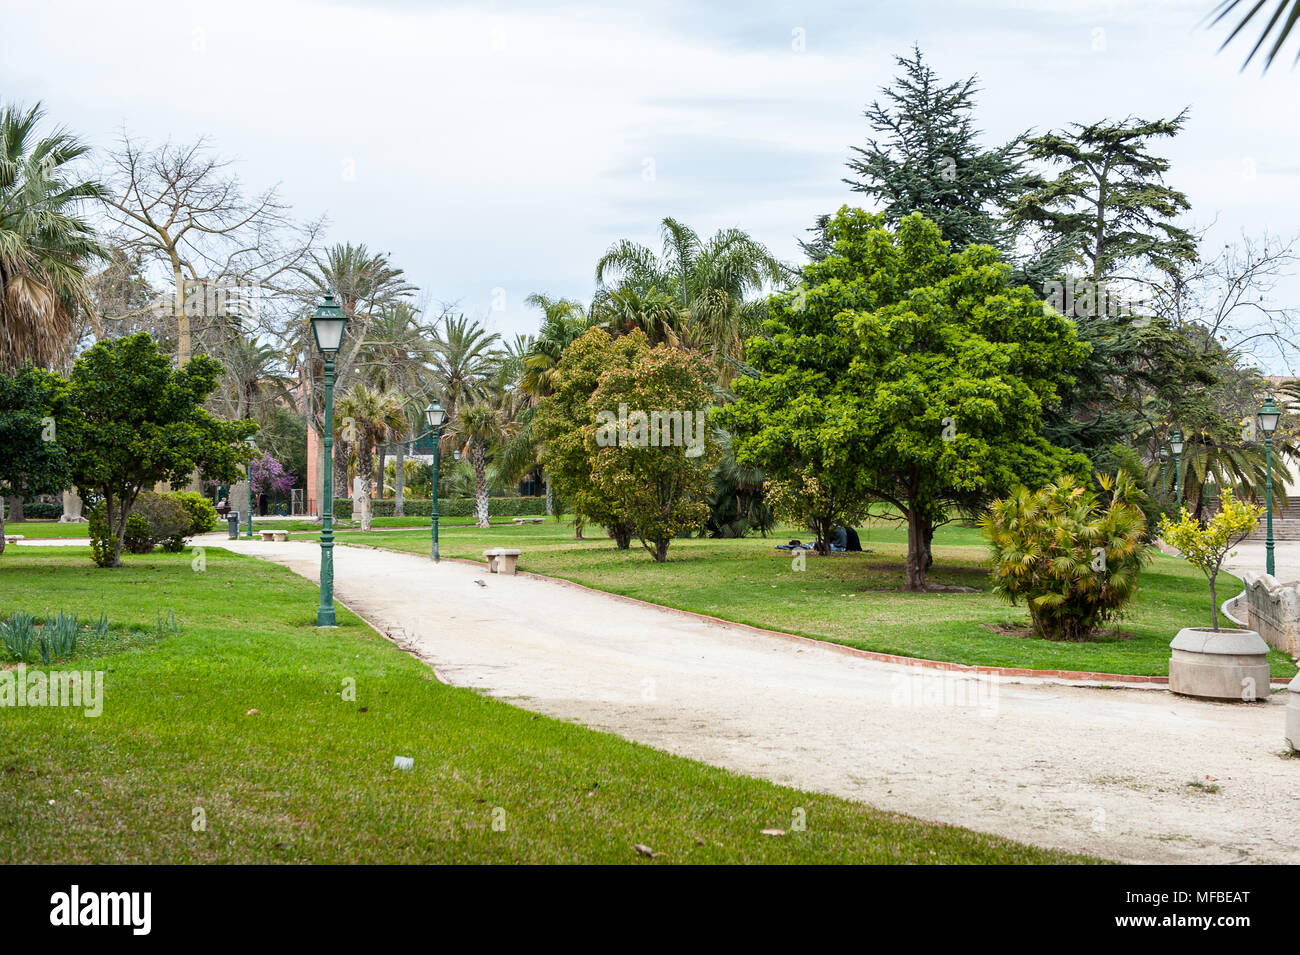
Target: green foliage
[19, 635]
[738, 501]
[33, 459]
[564, 419]
[807, 502]
[167, 522]
[42, 510]
[139, 537]
[660, 486]
[904, 373]
[138, 422]
[1205, 545]
[104, 543]
[1070, 554]
[199, 510]
[928, 160]
[58, 638]
[450, 507]
[1109, 206]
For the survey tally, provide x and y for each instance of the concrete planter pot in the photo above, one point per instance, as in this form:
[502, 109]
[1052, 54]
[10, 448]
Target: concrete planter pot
[1293, 713]
[1228, 665]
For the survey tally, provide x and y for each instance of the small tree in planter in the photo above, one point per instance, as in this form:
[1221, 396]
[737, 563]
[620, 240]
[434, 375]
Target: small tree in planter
[1206, 545]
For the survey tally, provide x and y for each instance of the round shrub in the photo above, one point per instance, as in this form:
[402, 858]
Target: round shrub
[1073, 556]
[138, 539]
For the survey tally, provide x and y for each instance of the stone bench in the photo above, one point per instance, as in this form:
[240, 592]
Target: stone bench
[528, 520]
[274, 535]
[502, 560]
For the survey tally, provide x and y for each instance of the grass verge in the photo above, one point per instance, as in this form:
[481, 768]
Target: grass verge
[242, 721]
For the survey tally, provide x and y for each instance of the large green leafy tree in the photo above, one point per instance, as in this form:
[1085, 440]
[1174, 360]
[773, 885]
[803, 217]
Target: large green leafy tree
[926, 157]
[32, 458]
[661, 486]
[909, 373]
[564, 420]
[136, 421]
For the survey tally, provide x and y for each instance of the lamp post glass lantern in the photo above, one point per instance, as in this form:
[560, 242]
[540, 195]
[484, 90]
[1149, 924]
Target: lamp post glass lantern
[327, 325]
[434, 416]
[252, 448]
[1267, 419]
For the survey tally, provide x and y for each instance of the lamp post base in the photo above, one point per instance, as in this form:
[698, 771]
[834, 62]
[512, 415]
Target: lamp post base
[325, 618]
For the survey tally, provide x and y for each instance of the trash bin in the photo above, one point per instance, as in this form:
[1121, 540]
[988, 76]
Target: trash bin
[232, 524]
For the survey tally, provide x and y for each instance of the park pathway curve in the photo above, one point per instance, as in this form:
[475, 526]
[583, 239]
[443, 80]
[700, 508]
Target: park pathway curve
[1126, 774]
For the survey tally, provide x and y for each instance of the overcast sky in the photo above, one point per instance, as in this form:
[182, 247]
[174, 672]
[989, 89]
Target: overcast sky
[505, 146]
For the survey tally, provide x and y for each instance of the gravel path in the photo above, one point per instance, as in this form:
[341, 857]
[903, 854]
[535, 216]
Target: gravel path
[1090, 770]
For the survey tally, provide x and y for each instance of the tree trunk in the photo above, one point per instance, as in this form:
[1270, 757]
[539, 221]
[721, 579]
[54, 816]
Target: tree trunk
[1214, 605]
[577, 527]
[365, 462]
[480, 485]
[622, 535]
[340, 470]
[16, 515]
[2, 525]
[550, 497]
[379, 471]
[399, 481]
[915, 551]
[661, 551]
[118, 528]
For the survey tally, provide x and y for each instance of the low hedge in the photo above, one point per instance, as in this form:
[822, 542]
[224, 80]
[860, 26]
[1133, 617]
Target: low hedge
[449, 507]
[42, 510]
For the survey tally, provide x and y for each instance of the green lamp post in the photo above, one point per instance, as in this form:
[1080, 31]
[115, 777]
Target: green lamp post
[1164, 461]
[327, 328]
[252, 447]
[1267, 419]
[1176, 446]
[434, 417]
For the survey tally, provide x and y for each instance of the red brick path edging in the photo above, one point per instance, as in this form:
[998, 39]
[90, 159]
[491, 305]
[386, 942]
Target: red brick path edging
[1080, 676]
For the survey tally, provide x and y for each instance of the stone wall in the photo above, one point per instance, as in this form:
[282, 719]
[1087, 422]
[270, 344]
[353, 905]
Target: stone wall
[1274, 611]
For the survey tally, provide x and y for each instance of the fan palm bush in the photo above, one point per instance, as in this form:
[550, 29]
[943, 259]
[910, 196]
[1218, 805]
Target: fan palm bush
[1072, 554]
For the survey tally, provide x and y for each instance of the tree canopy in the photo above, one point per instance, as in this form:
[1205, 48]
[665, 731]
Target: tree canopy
[909, 373]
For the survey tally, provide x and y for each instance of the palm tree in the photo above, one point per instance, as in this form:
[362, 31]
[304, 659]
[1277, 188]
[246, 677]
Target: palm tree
[398, 350]
[465, 356]
[375, 418]
[46, 247]
[477, 426]
[1284, 31]
[711, 282]
[652, 310]
[255, 375]
[396, 357]
[563, 322]
[364, 284]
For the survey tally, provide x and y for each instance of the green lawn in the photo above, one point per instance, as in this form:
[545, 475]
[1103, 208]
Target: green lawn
[46, 529]
[853, 599]
[309, 777]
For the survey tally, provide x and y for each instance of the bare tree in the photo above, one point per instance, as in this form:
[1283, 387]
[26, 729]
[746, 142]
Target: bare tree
[178, 208]
[1230, 296]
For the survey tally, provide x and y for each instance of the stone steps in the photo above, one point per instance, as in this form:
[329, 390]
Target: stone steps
[1286, 525]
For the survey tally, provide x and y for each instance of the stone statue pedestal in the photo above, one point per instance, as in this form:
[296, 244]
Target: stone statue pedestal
[72, 507]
